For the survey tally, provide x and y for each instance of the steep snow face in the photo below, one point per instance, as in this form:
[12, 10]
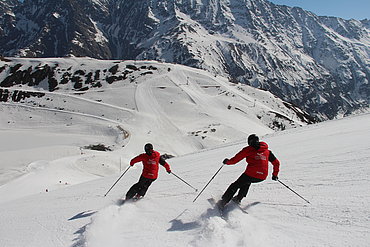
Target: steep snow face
[319, 63]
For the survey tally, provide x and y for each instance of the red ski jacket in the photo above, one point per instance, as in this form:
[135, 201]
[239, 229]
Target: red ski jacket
[150, 164]
[257, 160]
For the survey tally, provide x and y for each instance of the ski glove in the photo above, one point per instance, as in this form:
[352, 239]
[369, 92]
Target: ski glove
[275, 178]
[169, 171]
[225, 161]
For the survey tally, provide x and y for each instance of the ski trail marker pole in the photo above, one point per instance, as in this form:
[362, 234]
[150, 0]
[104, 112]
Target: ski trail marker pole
[293, 191]
[117, 181]
[184, 181]
[208, 183]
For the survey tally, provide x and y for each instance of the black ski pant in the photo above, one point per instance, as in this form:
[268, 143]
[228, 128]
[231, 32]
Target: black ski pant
[139, 188]
[242, 183]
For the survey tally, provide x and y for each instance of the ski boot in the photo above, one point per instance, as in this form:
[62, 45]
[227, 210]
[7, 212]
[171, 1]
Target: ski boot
[236, 200]
[137, 197]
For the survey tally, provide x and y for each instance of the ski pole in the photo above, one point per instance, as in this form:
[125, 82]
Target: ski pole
[117, 180]
[184, 181]
[293, 191]
[208, 183]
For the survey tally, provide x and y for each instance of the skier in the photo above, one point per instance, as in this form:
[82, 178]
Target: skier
[257, 156]
[150, 160]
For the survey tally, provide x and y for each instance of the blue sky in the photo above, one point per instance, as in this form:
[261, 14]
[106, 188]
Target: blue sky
[347, 9]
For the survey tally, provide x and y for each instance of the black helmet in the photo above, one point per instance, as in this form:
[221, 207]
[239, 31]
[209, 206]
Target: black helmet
[148, 148]
[253, 141]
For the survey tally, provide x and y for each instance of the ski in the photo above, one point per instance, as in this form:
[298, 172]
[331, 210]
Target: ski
[240, 207]
[213, 203]
[135, 199]
[227, 208]
[122, 201]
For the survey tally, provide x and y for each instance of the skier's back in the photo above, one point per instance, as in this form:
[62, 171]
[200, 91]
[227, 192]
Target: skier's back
[257, 155]
[150, 160]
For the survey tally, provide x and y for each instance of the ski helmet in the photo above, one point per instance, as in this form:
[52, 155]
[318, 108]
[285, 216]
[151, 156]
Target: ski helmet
[148, 148]
[253, 141]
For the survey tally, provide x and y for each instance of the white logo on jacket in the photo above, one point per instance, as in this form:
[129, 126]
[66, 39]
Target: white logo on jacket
[151, 162]
[260, 156]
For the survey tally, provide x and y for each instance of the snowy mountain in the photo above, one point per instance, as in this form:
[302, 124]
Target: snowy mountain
[318, 63]
[162, 96]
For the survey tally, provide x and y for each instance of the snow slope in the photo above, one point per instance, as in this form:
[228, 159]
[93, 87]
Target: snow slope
[326, 163]
[52, 186]
[178, 108]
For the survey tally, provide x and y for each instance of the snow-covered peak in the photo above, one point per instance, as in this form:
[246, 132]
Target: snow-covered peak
[300, 57]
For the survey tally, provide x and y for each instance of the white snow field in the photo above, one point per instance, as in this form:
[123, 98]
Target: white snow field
[52, 188]
[327, 163]
[179, 109]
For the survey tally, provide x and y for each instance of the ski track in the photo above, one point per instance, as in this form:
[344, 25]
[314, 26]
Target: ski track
[202, 100]
[158, 121]
[63, 111]
[130, 112]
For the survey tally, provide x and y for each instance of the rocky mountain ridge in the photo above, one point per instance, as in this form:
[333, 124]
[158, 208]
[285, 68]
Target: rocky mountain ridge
[319, 63]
